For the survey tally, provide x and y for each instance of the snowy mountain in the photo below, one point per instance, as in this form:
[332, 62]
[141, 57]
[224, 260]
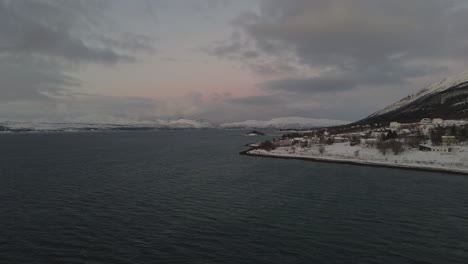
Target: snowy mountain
[101, 123]
[187, 123]
[111, 123]
[285, 122]
[446, 99]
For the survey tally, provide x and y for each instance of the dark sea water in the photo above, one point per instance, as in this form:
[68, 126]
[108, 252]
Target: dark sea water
[188, 197]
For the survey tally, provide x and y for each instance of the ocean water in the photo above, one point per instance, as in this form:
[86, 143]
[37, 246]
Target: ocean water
[188, 197]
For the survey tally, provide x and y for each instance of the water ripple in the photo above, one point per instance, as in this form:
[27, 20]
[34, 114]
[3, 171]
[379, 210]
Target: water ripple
[187, 197]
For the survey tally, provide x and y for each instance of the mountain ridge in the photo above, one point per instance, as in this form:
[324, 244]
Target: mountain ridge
[285, 122]
[447, 99]
[111, 123]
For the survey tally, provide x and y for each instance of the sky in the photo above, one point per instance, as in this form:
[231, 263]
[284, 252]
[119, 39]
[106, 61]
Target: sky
[222, 60]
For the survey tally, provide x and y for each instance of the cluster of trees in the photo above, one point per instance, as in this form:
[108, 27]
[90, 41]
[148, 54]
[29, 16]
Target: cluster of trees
[321, 149]
[436, 136]
[414, 141]
[292, 135]
[267, 145]
[394, 145]
[324, 140]
[355, 141]
[461, 132]
[389, 135]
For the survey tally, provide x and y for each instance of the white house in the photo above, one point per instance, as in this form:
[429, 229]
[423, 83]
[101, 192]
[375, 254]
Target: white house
[437, 121]
[395, 125]
[404, 132]
[426, 129]
[443, 149]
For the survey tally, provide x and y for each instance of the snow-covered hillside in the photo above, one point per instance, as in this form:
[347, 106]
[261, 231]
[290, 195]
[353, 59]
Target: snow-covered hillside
[432, 89]
[285, 122]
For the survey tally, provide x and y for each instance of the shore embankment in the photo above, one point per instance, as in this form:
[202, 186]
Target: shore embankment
[357, 162]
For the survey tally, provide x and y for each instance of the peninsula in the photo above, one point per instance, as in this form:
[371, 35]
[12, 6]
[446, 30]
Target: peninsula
[424, 131]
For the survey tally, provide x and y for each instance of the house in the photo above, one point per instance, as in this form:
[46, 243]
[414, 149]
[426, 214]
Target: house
[369, 141]
[404, 132]
[284, 142]
[437, 121]
[426, 129]
[340, 139]
[424, 148]
[377, 134]
[449, 139]
[444, 149]
[299, 141]
[441, 149]
[395, 125]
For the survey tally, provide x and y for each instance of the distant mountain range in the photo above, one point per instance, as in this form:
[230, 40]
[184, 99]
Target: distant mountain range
[110, 123]
[285, 123]
[446, 99]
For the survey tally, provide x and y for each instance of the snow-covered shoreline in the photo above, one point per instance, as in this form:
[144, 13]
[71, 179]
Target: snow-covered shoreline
[451, 163]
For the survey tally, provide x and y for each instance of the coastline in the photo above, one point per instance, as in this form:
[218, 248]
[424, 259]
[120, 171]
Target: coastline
[356, 162]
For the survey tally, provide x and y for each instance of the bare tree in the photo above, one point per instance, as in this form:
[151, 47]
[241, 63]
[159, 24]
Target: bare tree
[267, 145]
[382, 147]
[356, 153]
[436, 137]
[321, 150]
[322, 139]
[414, 142]
[396, 146]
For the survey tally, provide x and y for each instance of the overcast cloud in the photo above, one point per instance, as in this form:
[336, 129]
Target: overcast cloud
[43, 42]
[351, 44]
[223, 60]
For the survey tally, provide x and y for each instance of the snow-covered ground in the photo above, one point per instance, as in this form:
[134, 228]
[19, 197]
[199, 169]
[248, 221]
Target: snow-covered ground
[286, 122]
[456, 161]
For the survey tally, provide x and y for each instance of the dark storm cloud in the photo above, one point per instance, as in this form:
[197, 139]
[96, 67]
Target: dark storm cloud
[359, 42]
[41, 40]
[39, 27]
[368, 51]
[23, 77]
[340, 32]
[336, 82]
